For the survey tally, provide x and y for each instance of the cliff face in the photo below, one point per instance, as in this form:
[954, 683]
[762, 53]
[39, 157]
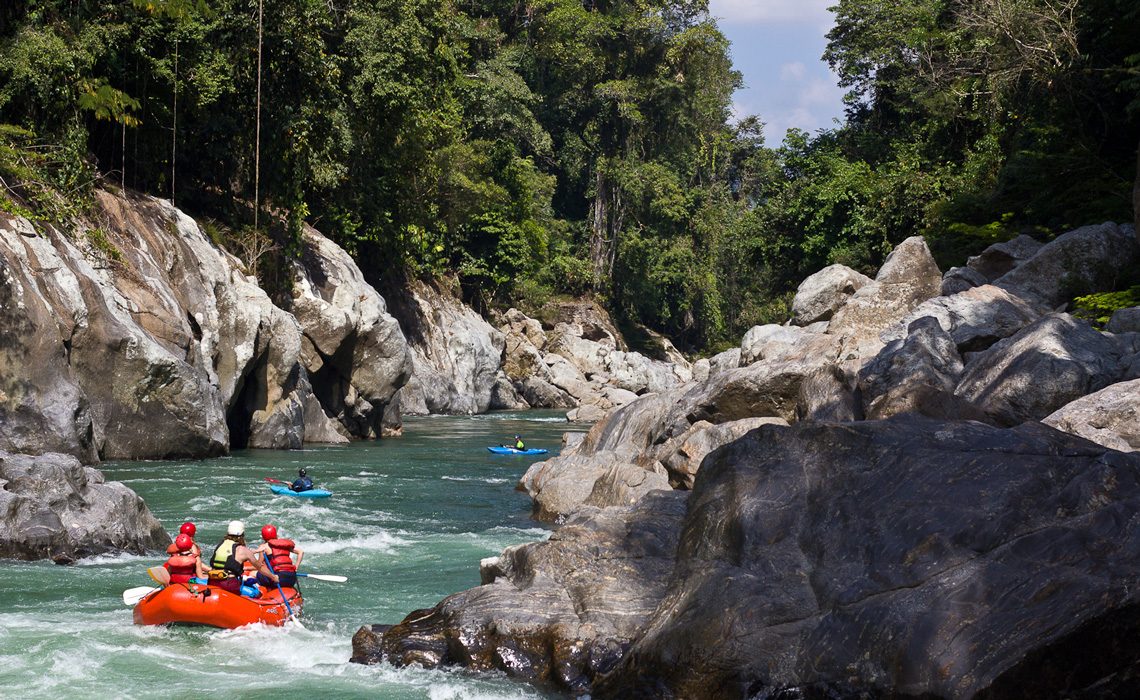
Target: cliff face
[137, 337]
[130, 335]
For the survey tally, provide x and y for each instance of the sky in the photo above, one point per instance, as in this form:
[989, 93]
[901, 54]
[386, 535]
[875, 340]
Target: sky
[777, 45]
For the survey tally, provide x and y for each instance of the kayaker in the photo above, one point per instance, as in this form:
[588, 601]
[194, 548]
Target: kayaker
[185, 565]
[519, 444]
[303, 482]
[279, 552]
[230, 557]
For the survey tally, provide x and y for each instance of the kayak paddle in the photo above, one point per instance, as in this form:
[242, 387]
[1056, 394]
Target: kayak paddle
[325, 577]
[277, 481]
[132, 596]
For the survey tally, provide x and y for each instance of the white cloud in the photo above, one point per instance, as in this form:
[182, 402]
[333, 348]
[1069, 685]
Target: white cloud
[793, 71]
[772, 11]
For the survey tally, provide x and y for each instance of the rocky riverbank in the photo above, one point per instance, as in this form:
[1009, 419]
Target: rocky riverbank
[874, 506]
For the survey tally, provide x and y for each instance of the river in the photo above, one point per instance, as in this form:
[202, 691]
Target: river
[408, 522]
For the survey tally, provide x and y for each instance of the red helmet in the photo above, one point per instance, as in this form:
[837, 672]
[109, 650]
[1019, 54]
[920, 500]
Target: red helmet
[184, 542]
[188, 529]
[268, 532]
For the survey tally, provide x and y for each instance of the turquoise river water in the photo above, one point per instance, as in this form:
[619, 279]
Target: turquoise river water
[408, 522]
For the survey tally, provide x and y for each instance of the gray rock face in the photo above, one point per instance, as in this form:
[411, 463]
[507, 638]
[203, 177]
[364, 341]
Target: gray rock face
[682, 456]
[775, 343]
[53, 507]
[625, 484]
[1043, 367]
[916, 375]
[828, 394]
[353, 348]
[975, 319]
[823, 293]
[455, 353]
[803, 567]
[908, 277]
[609, 570]
[1000, 258]
[959, 279]
[1078, 262]
[1124, 321]
[1109, 417]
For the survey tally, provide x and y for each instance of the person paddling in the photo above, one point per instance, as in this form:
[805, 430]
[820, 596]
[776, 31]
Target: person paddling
[184, 564]
[303, 482]
[230, 557]
[188, 529]
[519, 444]
[279, 552]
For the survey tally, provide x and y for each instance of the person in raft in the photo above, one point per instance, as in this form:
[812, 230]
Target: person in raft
[189, 529]
[228, 562]
[303, 482]
[184, 565]
[279, 552]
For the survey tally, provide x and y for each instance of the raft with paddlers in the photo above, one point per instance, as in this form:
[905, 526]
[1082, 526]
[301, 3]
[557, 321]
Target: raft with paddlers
[203, 604]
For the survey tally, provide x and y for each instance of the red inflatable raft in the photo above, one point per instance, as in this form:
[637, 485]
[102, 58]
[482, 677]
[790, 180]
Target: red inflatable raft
[197, 604]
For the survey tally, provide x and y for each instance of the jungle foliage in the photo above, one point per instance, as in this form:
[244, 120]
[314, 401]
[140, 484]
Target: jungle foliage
[541, 147]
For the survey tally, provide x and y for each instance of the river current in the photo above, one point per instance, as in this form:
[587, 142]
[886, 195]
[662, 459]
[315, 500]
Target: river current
[408, 522]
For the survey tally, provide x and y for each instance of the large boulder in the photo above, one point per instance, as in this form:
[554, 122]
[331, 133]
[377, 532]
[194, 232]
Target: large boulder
[915, 375]
[557, 612]
[353, 348]
[908, 277]
[975, 319]
[1086, 260]
[1000, 258]
[803, 569]
[1109, 417]
[828, 394]
[53, 507]
[1044, 366]
[822, 294]
[1124, 320]
[773, 343]
[682, 456]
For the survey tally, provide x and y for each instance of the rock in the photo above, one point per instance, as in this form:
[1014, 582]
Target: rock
[908, 277]
[1124, 321]
[561, 630]
[636, 373]
[1040, 369]
[976, 318]
[504, 397]
[624, 484]
[455, 353]
[560, 486]
[52, 507]
[959, 279]
[729, 359]
[828, 394]
[778, 343]
[588, 356]
[661, 349]
[916, 375]
[682, 456]
[355, 351]
[1000, 258]
[825, 292]
[805, 570]
[701, 369]
[584, 318]
[1109, 417]
[586, 414]
[1079, 262]
[542, 394]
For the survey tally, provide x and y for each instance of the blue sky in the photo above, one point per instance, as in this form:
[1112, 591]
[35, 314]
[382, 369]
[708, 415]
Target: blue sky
[777, 45]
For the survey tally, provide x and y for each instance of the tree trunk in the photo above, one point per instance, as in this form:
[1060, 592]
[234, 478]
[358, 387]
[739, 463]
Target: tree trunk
[607, 216]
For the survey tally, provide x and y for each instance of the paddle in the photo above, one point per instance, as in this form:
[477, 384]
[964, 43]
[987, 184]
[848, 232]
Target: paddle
[325, 577]
[277, 481]
[278, 582]
[132, 596]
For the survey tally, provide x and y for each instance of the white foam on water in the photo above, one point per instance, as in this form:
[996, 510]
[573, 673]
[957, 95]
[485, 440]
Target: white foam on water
[119, 558]
[382, 541]
[366, 473]
[479, 479]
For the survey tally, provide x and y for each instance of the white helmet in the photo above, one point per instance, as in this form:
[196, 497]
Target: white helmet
[236, 528]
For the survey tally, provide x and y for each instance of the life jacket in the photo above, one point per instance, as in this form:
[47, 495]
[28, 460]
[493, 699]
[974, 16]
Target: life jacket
[182, 567]
[223, 564]
[280, 555]
[519, 445]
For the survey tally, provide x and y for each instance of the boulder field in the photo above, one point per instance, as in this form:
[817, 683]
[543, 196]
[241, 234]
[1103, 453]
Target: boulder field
[862, 502]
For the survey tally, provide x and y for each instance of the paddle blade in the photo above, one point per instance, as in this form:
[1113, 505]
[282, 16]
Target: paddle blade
[132, 596]
[326, 577]
[276, 481]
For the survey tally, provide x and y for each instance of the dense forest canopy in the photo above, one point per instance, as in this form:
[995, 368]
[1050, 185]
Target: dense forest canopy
[540, 147]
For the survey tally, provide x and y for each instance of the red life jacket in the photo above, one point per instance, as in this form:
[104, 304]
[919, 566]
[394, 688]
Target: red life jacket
[182, 568]
[280, 555]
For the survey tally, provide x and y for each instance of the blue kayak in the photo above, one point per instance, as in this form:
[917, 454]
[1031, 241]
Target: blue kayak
[501, 450]
[311, 493]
